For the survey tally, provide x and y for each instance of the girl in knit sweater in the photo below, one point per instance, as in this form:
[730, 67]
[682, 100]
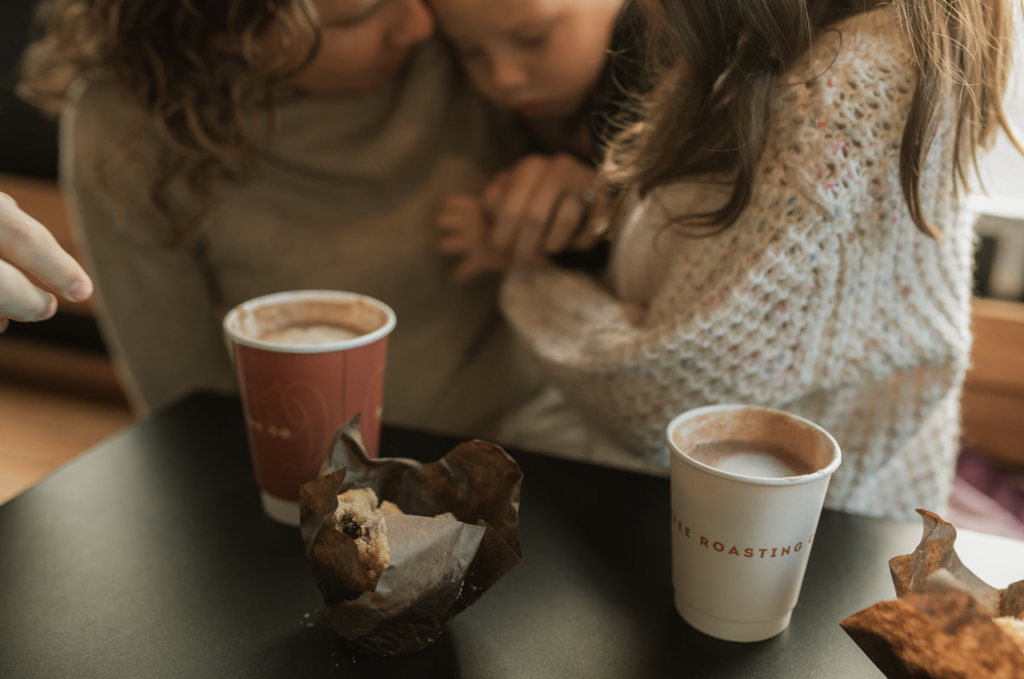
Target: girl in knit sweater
[791, 234]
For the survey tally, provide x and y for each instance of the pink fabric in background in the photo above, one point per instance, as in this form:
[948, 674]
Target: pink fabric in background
[987, 497]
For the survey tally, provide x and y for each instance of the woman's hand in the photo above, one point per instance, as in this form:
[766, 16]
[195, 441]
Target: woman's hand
[545, 204]
[27, 244]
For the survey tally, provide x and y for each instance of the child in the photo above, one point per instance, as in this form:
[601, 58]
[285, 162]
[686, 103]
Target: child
[546, 60]
[818, 149]
[542, 59]
[568, 69]
[214, 155]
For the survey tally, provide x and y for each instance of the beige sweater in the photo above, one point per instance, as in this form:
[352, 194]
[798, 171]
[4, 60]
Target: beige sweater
[823, 299]
[344, 199]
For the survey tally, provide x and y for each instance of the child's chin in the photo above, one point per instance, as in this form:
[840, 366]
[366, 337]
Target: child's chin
[534, 110]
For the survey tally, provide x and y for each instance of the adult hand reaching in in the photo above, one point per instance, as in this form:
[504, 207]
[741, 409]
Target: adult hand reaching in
[28, 245]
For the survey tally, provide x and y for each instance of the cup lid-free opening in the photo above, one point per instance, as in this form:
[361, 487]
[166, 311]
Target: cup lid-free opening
[755, 424]
[251, 322]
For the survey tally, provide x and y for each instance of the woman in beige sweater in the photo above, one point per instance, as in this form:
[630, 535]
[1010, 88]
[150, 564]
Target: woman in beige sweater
[211, 156]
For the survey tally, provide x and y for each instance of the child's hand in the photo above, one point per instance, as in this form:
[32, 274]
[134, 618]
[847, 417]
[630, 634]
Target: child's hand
[465, 231]
[544, 205]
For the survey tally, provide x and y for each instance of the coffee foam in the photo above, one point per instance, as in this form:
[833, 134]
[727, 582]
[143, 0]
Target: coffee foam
[315, 333]
[309, 321]
[759, 429]
[749, 458]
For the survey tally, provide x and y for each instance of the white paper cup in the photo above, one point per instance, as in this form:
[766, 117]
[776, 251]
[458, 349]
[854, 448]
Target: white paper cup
[740, 542]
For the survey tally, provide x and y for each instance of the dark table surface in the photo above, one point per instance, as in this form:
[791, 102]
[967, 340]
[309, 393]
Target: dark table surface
[149, 556]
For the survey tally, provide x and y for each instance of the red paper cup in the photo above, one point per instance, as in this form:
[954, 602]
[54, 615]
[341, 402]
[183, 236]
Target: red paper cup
[307, 361]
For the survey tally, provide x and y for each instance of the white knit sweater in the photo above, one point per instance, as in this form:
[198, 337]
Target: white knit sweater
[823, 299]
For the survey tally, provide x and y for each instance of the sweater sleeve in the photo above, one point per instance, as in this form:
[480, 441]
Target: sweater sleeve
[629, 369]
[156, 305]
[755, 315]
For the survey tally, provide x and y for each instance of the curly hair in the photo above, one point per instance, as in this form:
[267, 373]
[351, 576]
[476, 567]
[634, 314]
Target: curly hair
[716, 65]
[194, 66]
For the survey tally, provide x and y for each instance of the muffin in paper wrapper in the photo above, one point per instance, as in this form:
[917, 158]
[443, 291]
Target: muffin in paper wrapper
[438, 567]
[940, 626]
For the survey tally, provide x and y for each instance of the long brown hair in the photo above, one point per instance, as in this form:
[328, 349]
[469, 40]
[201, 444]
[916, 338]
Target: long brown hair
[193, 67]
[717, 63]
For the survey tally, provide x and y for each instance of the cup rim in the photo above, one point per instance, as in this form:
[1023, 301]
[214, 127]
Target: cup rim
[281, 347]
[824, 472]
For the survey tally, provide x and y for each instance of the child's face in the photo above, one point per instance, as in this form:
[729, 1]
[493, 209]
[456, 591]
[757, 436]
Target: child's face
[538, 57]
[363, 44]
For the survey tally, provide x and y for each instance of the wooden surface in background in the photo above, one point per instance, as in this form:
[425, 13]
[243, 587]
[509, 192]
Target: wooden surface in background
[993, 400]
[46, 367]
[43, 430]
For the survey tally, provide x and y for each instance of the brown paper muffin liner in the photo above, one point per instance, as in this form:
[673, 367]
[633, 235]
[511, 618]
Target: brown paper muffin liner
[940, 626]
[438, 568]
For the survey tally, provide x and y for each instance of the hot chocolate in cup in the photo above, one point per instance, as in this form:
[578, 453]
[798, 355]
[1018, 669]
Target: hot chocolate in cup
[310, 334]
[750, 458]
[309, 318]
[748, 485]
[307, 361]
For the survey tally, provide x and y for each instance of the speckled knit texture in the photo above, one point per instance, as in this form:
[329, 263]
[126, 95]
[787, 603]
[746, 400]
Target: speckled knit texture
[823, 299]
